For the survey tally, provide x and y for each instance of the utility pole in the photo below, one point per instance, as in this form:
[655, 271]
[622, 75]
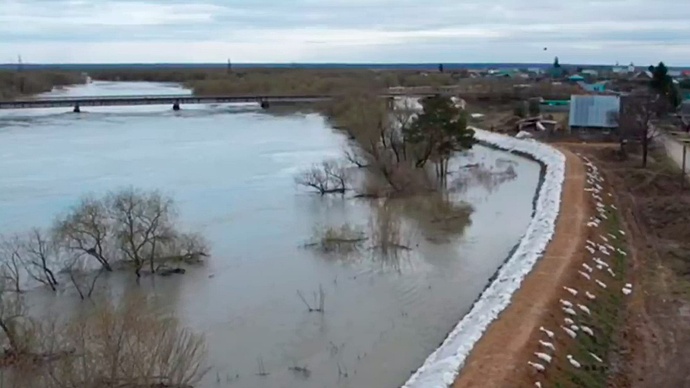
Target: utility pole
[229, 66]
[20, 70]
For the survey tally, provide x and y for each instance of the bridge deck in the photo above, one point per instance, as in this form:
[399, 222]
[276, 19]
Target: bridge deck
[166, 100]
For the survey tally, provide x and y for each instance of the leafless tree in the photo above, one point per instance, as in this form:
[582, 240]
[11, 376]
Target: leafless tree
[181, 248]
[82, 277]
[10, 253]
[40, 256]
[130, 345]
[143, 223]
[353, 156]
[13, 323]
[116, 345]
[88, 229]
[328, 178]
[636, 119]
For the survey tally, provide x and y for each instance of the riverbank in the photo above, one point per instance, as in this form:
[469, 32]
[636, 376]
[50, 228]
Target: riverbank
[15, 84]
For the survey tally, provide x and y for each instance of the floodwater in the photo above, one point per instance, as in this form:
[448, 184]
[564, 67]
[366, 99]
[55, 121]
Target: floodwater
[231, 171]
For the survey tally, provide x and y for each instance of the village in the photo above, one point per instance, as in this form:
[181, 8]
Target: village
[560, 101]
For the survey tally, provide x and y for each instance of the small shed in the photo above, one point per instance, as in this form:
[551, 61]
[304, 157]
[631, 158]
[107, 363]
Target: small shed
[594, 111]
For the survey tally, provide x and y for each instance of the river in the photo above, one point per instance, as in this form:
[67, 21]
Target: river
[231, 172]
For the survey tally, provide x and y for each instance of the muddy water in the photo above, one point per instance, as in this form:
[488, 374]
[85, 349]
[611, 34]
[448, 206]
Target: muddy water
[231, 171]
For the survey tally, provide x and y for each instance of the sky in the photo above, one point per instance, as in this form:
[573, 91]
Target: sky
[349, 31]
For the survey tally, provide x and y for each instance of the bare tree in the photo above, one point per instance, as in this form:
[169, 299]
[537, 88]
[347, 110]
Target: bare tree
[87, 229]
[636, 119]
[130, 345]
[181, 248]
[10, 253]
[13, 323]
[328, 178]
[82, 277]
[143, 223]
[40, 255]
[353, 156]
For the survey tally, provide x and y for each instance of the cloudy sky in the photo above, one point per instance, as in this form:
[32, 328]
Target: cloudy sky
[582, 31]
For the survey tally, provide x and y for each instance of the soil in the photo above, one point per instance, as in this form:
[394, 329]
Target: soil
[653, 348]
[499, 359]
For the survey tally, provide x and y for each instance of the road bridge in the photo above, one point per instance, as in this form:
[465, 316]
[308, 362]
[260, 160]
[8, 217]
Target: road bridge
[176, 101]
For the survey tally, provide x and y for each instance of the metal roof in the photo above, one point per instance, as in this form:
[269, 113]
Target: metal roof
[593, 111]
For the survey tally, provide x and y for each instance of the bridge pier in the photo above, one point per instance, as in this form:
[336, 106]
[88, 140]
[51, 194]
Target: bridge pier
[76, 108]
[265, 104]
[176, 105]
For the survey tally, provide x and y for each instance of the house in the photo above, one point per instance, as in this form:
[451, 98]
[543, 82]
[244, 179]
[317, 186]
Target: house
[576, 78]
[643, 76]
[623, 71]
[590, 73]
[594, 111]
[675, 73]
[598, 87]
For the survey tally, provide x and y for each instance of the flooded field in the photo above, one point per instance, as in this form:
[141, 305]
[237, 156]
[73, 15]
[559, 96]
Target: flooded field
[231, 171]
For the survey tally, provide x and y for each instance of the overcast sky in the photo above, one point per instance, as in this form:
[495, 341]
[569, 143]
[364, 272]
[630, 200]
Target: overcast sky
[582, 31]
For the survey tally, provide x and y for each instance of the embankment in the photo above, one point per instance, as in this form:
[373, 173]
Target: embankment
[441, 367]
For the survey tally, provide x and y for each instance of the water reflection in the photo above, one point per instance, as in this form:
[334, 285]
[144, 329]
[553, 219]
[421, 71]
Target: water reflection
[488, 176]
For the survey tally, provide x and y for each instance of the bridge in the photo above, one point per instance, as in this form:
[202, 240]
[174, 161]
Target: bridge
[176, 101]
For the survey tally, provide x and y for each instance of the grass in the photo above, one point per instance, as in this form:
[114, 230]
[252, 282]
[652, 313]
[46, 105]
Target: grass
[606, 312]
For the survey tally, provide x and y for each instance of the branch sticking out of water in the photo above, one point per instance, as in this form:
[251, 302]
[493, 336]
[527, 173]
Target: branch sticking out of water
[262, 367]
[319, 300]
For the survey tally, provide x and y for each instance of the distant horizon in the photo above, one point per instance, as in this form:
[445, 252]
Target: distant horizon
[313, 65]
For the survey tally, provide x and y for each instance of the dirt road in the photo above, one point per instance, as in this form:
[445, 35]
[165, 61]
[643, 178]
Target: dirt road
[501, 355]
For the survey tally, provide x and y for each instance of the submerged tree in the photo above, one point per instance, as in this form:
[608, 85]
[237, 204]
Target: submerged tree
[40, 257]
[441, 129]
[395, 139]
[330, 177]
[88, 229]
[118, 344]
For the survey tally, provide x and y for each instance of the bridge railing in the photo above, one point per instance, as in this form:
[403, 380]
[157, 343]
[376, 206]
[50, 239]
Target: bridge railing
[192, 98]
[114, 97]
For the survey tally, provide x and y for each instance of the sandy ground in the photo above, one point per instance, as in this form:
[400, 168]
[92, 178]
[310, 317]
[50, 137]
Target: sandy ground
[499, 358]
